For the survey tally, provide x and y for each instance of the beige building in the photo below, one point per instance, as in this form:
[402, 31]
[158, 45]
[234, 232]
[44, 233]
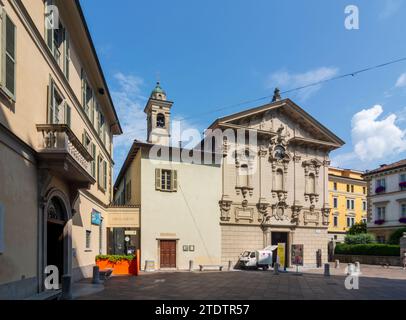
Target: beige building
[266, 191]
[178, 200]
[57, 123]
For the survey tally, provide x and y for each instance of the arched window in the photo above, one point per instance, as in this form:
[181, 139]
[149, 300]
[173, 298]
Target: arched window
[160, 120]
[312, 184]
[279, 180]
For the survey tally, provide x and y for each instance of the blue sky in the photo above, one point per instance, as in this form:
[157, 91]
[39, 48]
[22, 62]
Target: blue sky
[211, 54]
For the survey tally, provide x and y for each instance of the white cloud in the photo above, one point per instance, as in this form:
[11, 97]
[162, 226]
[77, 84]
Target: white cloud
[285, 80]
[390, 8]
[373, 138]
[401, 82]
[129, 104]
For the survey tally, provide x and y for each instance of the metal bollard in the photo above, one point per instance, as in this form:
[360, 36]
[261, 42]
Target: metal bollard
[190, 265]
[96, 275]
[66, 287]
[230, 265]
[337, 264]
[276, 268]
[327, 270]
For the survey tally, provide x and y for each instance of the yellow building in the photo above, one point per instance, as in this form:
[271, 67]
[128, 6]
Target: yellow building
[348, 201]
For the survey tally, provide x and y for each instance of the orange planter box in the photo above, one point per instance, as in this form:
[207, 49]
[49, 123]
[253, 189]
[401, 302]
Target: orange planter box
[123, 267]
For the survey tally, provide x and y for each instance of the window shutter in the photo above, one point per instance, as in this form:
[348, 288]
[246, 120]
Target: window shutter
[67, 54]
[98, 171]
[174, 182]
[8, 56]
[158, 174]
[50, 99]
[67, 115]
[105, 175]
[94, 160]
[48, 31]
[83, 88]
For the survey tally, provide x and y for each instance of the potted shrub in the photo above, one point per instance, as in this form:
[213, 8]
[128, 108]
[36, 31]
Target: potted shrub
[379, 222]
[121, 264]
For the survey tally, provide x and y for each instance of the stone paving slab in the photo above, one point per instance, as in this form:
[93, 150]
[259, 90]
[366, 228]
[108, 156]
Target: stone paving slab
[375, 283]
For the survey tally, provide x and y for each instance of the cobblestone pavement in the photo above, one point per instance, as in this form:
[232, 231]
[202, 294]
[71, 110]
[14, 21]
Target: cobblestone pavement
[374, 283]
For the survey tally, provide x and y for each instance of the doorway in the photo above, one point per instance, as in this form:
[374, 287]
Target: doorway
[55, 246]
[55, 238]
[280, 237]
[167, 253]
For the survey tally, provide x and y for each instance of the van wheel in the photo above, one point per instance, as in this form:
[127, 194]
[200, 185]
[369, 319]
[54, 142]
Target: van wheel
[265, 268]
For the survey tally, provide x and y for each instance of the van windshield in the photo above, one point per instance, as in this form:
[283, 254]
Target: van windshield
[246, 254]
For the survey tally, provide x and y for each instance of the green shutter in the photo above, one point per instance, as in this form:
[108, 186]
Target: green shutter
[49, 32]
[174, 182]
[67, 115]
[50, 99]
[158, 174]
[94, 160]
[83, 88]
[105, 175]
[66, 54]
[8, 56]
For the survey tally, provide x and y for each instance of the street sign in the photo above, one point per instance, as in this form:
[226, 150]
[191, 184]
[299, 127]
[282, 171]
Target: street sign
[96, 218]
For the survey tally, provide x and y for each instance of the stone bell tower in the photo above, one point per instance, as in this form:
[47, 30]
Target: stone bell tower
[158, 111]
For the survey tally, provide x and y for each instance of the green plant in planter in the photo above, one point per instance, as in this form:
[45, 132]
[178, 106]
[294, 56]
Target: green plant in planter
[114, 258]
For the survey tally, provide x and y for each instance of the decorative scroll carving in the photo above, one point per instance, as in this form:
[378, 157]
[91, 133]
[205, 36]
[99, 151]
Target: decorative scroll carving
[326, 215]
[225, 207]
[296, 209]
[262, 207]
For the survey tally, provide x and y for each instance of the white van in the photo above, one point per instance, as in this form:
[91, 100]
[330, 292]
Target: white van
[257, 259]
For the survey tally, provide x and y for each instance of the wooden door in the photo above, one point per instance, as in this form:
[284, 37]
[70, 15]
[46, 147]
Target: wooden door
[168, 253]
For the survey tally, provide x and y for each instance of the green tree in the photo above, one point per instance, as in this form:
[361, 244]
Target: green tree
[358, 228]
[395, 237]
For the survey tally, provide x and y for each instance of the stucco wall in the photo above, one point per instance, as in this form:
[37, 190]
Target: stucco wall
[191, 214]
[235, 239]
[82, 223]
[312, 239]
[19, 200]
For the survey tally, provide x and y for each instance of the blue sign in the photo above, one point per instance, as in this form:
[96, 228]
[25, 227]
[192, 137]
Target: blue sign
[96, 218]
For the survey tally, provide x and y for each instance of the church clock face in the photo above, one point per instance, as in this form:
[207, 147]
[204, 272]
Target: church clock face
[280, 152]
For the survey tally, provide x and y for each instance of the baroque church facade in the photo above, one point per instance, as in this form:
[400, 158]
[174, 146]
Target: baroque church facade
[264, 192]
[276, 191]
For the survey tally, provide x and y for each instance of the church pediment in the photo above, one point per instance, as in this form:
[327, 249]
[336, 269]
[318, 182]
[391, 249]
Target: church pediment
[268, 119]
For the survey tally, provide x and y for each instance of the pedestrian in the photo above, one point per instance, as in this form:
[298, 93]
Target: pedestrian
[404, 260]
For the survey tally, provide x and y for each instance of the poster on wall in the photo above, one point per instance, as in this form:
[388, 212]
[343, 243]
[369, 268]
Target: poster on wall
[281, 254]
[297, 254]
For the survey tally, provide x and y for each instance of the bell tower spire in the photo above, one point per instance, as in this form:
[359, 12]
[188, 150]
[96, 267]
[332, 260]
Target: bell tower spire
[158, 110]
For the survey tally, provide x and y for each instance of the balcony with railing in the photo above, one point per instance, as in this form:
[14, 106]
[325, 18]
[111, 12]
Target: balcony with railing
[60, 151]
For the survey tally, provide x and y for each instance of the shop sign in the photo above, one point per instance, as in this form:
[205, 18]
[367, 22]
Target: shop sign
[96, 218]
